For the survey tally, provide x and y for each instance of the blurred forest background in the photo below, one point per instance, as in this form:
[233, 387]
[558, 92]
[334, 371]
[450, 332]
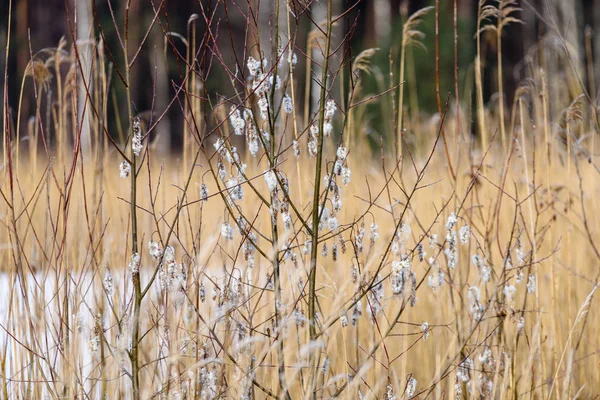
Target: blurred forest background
[39, 24]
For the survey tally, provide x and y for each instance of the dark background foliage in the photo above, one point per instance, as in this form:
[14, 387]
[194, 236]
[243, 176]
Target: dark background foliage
[38, 24]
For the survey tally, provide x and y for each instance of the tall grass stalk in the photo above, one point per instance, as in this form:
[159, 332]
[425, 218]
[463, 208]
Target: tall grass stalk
[410, 36]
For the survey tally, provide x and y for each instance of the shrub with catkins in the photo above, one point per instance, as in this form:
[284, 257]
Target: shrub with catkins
[250, 260]
[234, 190]
[263, 106]
[280, 56]
[520, 325]
[271, 180]
[463, 372]
[411, 388]
[306, 248]
[436, 276]
[208, 382]
[232, 156]
[329, 182]
[202, 292]
[215, 292]
[313, 140]
[240, 169]
[287, 104]
[451, 252]
[124, 169]
[358, 238]
[344, 320]
[336, 199]
[241, 224]
[520, 276]
[227, 231]
[220, 148]
[285, 183]
[389, 393]
[374, 232]
[356, 312]
[275, 79]
[520, 254]
[330, 109]
[154, 250]
[458, 388]
[254, 66]
[486, 386]
[433, 241]
[375, 299]
[421, 253]
[425, 329]
[136, 140]
[299, 316]
[346, 175]
[134, 264]
[204, 192]
[403, 234]
[237, 121]
[248, 248]
[452, 220]
[342, 153]
[296, 147]
[274, 208]
[510, 292]
[395, 247]
[108, 284]
[169, 257]
[221, 171]
[343, 245]
[484, 271]
[172, 276]
[281, 307]
[123, 339]
[531, 284]
[324, 217]
[486, 358]
[174, 280]
[249, 321]
[263, 82]
[401, 272]
[253, 143]
[464, 234]
[230, 296]
[286, 250]
[265, 137]
[94, 339]
[285, 216]
[326, 365]
[451, 239]
[292, 58]
[337, 167]
[332, 223]
[300, 285]
[475, 306]
[354, 274]
[334, 252]
[77, 322]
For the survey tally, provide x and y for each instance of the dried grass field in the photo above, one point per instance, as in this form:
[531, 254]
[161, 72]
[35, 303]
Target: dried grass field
[284, 252]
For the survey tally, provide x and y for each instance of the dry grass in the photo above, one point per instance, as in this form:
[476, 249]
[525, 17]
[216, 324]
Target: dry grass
[212, 324]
